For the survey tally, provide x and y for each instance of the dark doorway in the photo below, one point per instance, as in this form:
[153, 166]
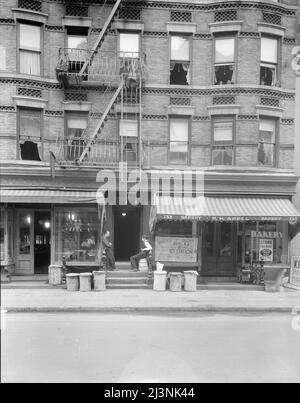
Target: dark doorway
[42, 234]
[127, 232]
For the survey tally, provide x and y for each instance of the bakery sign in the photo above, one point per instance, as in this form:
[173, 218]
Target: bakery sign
[171, 249]
[295, 271]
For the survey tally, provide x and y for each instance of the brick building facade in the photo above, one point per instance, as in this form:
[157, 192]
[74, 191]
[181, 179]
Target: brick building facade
[159, 86]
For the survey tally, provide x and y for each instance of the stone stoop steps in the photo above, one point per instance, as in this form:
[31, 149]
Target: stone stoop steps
[123, 278]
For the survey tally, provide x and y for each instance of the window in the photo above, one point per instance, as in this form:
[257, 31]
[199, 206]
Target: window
[77, 48]
[179, 140]
[224, 61]
[76, 234]
[269, 61]
[75, 143]
[2, 231]
[30, 135]
[167, 228]
[129, 132]
[180, 60]
[30, 49]
[267, 142]
[222, 153]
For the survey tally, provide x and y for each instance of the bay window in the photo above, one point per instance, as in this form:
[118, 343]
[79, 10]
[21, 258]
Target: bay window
[179, 140]
[222, 153]
[180, 60]
[269, 61]
[30, 135]
[30, 49]
[224, 60]
[267, 141]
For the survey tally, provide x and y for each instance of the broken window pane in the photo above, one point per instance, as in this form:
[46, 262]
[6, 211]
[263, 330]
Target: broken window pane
[30, 134]
[266, 146]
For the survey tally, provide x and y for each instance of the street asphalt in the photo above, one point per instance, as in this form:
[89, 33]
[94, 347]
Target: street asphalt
[186, 347]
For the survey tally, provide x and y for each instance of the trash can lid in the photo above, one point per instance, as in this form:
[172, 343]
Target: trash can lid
[85, 274]
[175, 273]
[160, 272]
[192, 272]
[72, 275]
[99, 272]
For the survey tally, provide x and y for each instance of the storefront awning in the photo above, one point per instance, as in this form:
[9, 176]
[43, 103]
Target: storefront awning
[206, 208]
[46, 196]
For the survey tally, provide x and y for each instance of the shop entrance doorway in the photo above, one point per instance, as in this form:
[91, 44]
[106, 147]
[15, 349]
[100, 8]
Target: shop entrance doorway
[42, 233]
[126, 232]
[218, 250]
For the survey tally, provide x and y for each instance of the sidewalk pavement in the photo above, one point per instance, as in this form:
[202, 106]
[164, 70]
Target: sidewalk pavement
[227, 301]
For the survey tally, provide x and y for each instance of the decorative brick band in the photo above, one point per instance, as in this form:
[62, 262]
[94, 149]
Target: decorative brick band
[245, 34]
[155, 117]
[54, 28]
[223, 100]
[247, 117]
[201, 118]
[6, 21]
[4, 108]
[183, 101]
[202, 36]
[289, 41]
[288, 121]
[155, 34]
[30, 92]
[54, 113]
[267, 101]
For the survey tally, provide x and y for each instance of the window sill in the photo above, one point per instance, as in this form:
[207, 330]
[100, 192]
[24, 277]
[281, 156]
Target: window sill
[271, 29]
[182, 27]
[225, 26]
[269, 111]
[28, 15]
[30, 102]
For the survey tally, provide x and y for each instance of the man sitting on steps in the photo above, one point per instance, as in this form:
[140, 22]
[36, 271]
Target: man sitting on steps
[145, 251]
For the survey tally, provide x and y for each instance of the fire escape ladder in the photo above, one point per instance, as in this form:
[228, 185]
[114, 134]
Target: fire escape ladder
[101, 123]
[100, 38]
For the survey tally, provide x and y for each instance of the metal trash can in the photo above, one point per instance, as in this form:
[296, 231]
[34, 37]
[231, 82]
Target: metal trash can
[72, 282]
[55, 274]
[85, 281]
[99, 280]
[190, 281]
[175, 281]
[160, 281]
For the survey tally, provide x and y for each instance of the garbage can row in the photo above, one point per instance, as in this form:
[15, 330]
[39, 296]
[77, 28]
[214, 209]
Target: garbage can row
[85, 282]
[177, 281]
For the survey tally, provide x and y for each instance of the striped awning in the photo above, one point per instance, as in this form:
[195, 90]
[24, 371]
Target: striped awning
[208, 208]
[47, 196]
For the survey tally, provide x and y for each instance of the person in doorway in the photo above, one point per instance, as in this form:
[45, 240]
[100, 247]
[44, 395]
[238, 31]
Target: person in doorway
[107, 245]
[144, 253]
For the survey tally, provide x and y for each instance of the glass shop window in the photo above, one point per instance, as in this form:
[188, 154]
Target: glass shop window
[75, 142]
[30, 137]
[76, 235]
[180, 60]
[224, 61]
[129, 132]
[166, 228]
[179, 141]
[269, 61]
[267, 142]
[30, 49]
[222, 153]
[77, 43]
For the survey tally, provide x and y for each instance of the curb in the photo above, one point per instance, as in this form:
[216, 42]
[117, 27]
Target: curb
[202, 309]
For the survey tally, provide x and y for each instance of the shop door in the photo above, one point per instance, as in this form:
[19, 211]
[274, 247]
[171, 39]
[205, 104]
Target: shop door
[42, 233]
[218, 250]
[25, 242]
[126, 233]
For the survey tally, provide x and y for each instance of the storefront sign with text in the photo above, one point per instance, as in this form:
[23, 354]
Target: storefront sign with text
[295, 271]
[168, 249]
[266, 251]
